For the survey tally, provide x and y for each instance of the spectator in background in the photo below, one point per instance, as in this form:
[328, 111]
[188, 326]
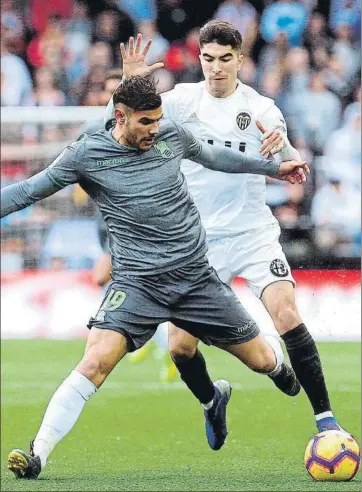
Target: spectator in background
[112, 27]
[111, 82]
[273, 54]
[77, 40]
[284, 16]
[344, 146]
[289, 211]
[334, 77]
[316, 113]
[93, 87]
[345, 12]
[139, 11]
[336, 214]
[12, 20]
[248, 72]
[52, 39]
[99, 55]
[41, 10]
[45, 92]
[316, 35]
[79, 21]
[297, 70]
[87, 91]
[16, 83]
[355, 106]
[271, 86]
[160, 45]
[346, 52]
[49, 50]
[244, 17]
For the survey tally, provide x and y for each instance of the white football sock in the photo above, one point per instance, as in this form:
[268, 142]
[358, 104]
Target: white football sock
[324, 415]
[207, 406]
[279, 354]
[62, 413]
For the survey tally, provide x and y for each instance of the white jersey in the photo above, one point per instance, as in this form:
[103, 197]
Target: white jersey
[229, 204]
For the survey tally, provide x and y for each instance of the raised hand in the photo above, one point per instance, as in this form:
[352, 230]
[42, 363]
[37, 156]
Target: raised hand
[134, 62]
[293, 171]
[273, 140]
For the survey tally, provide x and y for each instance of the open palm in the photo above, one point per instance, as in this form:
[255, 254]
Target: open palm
[134, 62]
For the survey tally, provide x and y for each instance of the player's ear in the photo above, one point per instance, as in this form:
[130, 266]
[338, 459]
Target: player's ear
[240, 61]
[120, 116]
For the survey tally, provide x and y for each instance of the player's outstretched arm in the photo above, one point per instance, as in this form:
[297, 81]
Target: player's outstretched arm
[231, 161]
[24, 193]
[62, 172]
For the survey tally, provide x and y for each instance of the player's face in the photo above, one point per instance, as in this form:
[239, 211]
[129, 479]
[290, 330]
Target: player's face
[142, 127]
[220, 65]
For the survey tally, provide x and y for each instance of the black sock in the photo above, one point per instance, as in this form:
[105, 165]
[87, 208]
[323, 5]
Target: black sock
[304, 357]
[194, 374]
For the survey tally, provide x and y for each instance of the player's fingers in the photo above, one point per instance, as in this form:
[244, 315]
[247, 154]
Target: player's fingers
[272, 137]
[156, 66]
[269, 144]
[276, 149]
[300, 178]
[131, 46]
[138, 43]
[266, 135]
[305, 168]
[260, 126]
[299, 174]
[123, 51]
[146, 49]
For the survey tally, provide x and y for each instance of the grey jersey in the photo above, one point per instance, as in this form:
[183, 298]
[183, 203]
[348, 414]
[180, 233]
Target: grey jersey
[152, 221]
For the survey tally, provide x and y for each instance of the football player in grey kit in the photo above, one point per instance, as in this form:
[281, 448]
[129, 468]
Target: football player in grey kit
[157, 243]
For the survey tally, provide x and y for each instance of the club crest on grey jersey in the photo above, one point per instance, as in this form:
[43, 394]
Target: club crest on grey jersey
[163, 149]
[243, 120]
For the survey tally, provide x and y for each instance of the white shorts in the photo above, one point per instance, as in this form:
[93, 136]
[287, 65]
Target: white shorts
[255, 255]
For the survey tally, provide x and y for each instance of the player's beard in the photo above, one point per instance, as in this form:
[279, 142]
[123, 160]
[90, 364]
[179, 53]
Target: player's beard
[132, 139]
[222, 88]
[218, 91]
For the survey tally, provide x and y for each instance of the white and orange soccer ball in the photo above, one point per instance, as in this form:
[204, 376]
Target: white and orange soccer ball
[332, 456]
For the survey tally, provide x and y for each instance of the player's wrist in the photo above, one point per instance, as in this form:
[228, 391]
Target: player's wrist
[272, 166]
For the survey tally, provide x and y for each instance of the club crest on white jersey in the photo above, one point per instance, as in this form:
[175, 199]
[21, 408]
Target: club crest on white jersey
[243, 120]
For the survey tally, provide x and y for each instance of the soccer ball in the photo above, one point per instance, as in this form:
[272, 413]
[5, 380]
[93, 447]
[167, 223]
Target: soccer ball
[332, 456]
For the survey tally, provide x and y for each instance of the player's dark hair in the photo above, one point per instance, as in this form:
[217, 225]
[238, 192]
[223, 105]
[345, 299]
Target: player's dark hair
[138, 93]
[221, 32]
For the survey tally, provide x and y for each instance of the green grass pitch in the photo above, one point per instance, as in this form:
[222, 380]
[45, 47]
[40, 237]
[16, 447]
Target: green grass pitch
[138, 434]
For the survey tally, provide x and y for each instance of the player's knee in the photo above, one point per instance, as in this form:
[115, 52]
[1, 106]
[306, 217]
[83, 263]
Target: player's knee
[263, 365]
[285, 315]
[95, 368]
[180, 352]
[264, 361]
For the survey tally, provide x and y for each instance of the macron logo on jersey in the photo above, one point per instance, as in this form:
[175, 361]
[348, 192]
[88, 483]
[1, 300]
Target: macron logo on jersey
[109, 162]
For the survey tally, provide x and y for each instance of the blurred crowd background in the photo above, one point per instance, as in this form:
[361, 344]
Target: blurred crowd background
[303, 54]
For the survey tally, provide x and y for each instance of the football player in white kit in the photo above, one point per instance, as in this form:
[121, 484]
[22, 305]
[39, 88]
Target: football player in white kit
[242, 233]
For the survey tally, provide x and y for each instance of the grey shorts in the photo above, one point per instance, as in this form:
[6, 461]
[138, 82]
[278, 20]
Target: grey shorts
[192, 297]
